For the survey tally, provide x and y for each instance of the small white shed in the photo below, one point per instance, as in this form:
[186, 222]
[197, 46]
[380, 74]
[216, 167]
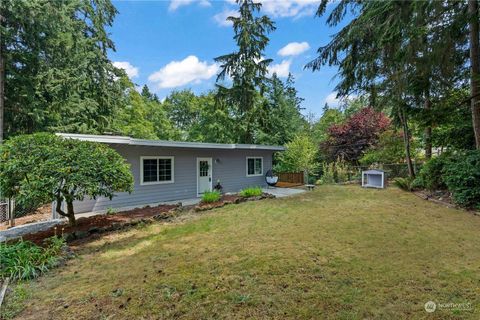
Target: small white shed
[373, 179]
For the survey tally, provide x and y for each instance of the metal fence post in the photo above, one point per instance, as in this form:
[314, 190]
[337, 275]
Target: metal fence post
[11, 212]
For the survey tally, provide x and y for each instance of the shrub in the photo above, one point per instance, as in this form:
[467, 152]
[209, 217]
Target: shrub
[462, 177]
[42, 167]
[403, 183]
[25, 260]
[328, 174]
[332, 172]
[211, 196]
[342, 171]
[431, 174]
[417, 183]
[251, 192]
[300, 155]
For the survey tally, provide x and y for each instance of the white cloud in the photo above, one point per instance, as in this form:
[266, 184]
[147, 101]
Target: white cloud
[332, 100]
[293, 49]
[180, 73]
[290, 8]
[131, 71]
[281, 69]
[221, 17]
[175, 4]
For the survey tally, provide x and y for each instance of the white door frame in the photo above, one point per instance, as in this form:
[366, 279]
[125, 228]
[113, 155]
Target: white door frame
[210, 171]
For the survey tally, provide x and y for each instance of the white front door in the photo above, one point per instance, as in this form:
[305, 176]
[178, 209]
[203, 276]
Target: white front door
[204, 175]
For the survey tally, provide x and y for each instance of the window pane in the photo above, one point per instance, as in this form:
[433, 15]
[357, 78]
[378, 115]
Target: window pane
[251, 166]
[150, 170]
[203, 168]
[164, 169]
[258, 165]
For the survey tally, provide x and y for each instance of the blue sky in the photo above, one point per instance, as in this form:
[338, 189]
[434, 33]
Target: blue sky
[171, 45]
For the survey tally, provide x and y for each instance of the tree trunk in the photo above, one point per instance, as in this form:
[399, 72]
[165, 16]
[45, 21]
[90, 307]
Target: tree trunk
[2, 82]
[70, 215]
[428, 129]
[474, 69]
[406, 140]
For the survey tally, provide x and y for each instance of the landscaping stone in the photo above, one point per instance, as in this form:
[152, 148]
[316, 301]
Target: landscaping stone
[116, 226]
[69, 237]
[93, 230]
[81, 234]
[230, 199]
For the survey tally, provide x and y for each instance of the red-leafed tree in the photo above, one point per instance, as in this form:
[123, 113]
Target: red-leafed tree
[349, 140]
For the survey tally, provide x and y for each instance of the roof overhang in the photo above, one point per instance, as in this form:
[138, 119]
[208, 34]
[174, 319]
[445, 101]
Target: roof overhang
[162, 143]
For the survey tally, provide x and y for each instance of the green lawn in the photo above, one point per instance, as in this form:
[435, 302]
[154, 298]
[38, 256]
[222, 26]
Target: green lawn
[339, 252]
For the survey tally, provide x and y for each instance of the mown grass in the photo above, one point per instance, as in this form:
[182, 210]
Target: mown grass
[339, 252]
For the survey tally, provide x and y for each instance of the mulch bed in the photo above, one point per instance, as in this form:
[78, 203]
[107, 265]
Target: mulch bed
[229, 199]
[103, 223]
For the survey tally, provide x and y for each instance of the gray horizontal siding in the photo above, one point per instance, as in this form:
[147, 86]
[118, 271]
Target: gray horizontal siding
[230, 169]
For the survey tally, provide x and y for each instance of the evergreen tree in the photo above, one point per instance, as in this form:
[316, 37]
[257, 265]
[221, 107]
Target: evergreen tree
[246, 67]
[400, 54]
[55, 62]
[282, 120]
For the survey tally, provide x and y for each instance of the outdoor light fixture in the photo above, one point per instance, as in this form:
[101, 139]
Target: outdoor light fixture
[217, 160]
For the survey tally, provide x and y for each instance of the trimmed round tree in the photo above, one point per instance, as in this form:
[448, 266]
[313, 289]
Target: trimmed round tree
[42, 167]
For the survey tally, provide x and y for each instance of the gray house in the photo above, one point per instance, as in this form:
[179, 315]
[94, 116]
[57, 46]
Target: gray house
[167, 170]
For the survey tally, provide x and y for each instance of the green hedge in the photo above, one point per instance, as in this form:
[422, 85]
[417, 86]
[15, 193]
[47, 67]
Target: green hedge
[431, 174]
[461, 175]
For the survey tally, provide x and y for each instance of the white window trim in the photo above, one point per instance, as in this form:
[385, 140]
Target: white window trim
[142, 183]
[246, 166]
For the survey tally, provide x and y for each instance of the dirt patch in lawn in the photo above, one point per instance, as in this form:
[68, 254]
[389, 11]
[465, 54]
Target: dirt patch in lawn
[91, 225]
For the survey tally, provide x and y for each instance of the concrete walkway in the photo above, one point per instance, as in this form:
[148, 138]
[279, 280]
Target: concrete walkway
[283, 192]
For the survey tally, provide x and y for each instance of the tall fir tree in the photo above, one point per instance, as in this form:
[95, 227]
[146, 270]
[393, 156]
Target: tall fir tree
[247, 68]
[59, 77]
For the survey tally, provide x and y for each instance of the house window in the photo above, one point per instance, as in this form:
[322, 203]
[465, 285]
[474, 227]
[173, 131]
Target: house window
[156, 170]
[254, 166]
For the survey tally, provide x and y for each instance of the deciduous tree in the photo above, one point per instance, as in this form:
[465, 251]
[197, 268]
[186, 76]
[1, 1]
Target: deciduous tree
[349, 140]
[42, 167]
